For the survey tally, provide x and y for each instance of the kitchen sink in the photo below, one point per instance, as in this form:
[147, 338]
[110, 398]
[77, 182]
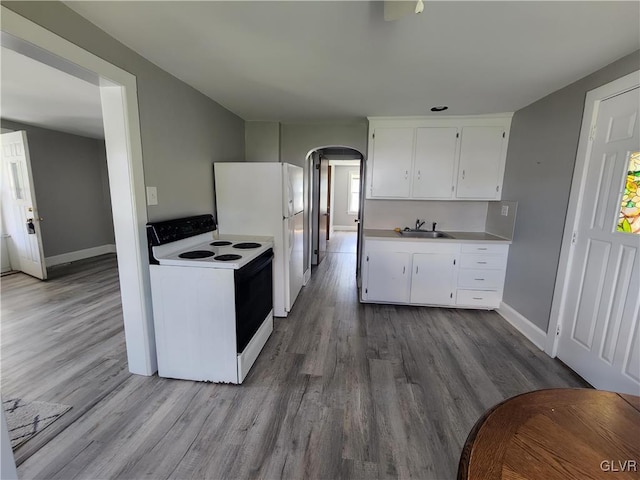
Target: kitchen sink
[424, 234]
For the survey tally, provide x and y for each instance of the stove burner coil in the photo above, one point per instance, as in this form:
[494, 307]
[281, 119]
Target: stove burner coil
[247, 245]
[228, 257]
[197, 254]
[220, 243]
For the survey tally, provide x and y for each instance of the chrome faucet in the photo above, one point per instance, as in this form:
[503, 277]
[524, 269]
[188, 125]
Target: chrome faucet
[419, 224]
[433, 226]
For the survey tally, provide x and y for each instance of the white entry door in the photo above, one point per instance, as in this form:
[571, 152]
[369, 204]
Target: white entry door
[19, 209]
[599, 336]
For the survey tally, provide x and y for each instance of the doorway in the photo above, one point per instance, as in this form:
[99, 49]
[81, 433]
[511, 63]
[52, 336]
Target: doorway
[53, 144]
[594, 326]
[336, 198]
[124, 160]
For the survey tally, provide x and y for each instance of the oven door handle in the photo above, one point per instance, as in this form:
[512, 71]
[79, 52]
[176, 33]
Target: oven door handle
[255, 265]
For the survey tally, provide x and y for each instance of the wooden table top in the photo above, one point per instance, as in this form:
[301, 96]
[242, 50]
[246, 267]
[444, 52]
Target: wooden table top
[557, 434]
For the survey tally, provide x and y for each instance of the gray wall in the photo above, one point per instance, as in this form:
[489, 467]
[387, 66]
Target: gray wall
[540, 160]
[71, 189]
[183, 132]
[298, 139]
[341, 196]
[262, 141]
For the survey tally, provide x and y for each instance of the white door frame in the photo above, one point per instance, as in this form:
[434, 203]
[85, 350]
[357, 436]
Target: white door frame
[118, 92]
[591, 106]
[310, 184]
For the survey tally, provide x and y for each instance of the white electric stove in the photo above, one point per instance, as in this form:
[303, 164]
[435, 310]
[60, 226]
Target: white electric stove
[212, 299]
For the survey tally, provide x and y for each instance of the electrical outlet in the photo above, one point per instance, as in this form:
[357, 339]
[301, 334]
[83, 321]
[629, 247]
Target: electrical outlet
[505, 210]
[152, 196]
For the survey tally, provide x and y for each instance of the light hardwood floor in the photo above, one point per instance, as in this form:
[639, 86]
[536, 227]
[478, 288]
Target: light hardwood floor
[341, 390]
[342, 242]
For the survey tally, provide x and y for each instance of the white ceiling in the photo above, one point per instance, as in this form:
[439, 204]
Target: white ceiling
[314, 61]
[37, 94]
[306, 60]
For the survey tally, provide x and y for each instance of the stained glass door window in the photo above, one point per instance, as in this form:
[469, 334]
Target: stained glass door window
[629, 219]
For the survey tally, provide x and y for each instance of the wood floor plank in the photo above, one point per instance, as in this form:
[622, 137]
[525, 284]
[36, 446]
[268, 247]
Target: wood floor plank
[360, 433]
[340, 390]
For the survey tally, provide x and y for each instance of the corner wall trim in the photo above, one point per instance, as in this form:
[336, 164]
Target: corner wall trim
[307, 276]
[79, 255]
[534, 334]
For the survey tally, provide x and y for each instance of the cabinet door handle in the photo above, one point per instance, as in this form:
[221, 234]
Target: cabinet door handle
[418, 174]
[463, 174]
[403, 270]
[416, 269]
[406, 174]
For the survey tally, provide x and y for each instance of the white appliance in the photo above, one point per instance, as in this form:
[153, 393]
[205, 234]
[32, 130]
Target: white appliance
[212, 299]
[256, 198]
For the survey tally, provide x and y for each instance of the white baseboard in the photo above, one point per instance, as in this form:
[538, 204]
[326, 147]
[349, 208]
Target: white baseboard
[535, 334]
[345, 228]
[79, 255]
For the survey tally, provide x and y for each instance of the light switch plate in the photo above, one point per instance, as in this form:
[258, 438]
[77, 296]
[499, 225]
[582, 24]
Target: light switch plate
[505, 210]
[152, 196]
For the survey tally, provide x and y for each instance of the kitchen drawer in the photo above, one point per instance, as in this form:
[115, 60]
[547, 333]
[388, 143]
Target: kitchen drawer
[481, 279]
[478, 298]
[499, 248]
[483, 261]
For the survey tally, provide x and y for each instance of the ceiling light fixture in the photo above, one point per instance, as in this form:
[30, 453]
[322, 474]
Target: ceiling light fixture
[439, 108]
[419, 6]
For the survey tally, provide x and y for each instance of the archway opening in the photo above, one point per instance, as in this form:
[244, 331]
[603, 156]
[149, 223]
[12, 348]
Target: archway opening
[335, 196]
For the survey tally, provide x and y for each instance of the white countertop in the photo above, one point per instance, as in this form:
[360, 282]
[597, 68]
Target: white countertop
[460, 237]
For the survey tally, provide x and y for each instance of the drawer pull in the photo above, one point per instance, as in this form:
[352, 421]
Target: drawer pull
[478, 298]
[481, 263]
[479, 279]
[481, 248]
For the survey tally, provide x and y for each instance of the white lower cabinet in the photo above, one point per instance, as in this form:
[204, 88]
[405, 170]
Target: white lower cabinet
[434, 273]
[433, 278]
[481, 275]
[388, 276]
[478, 298]
[421, 273]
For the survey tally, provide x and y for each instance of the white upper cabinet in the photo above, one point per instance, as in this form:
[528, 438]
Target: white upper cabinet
[445, 158]
[393, 152]
[434, 162]
[481, 165]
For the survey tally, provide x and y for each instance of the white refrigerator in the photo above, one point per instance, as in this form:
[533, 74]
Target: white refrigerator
[255, 198]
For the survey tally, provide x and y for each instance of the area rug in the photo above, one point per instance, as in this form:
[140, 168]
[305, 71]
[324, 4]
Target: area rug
[25, 419]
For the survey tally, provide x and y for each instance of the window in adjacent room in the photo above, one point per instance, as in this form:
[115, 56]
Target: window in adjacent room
[354, 193]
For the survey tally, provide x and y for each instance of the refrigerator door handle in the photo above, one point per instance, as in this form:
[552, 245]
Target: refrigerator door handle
[292, 231]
